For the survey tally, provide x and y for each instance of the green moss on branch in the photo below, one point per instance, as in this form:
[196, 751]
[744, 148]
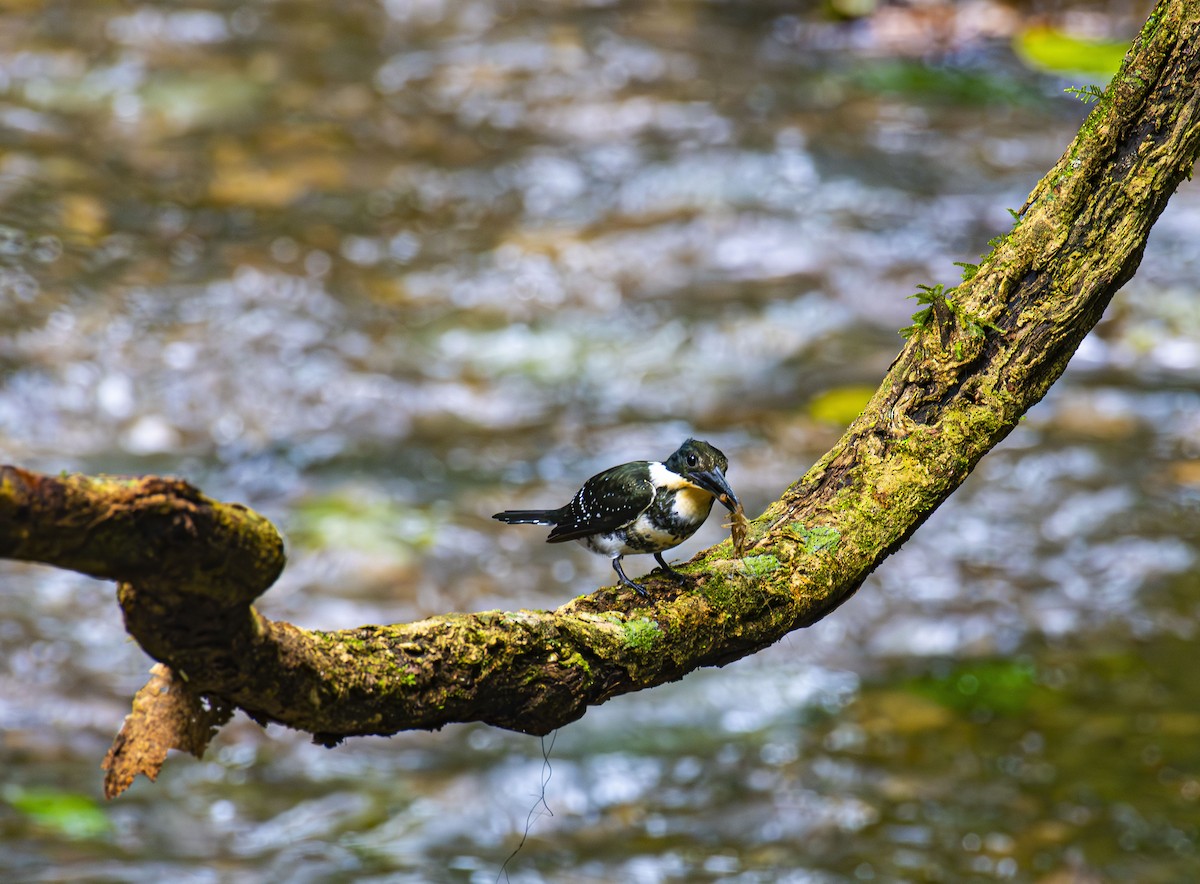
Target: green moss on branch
[190, 567]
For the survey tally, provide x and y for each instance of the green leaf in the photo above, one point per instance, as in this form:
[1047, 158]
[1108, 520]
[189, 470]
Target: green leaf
[840, 405]
[935, 297]
[1086, 94]
[70, 814]
[968, 270]
[1057, 52]
[927, 294]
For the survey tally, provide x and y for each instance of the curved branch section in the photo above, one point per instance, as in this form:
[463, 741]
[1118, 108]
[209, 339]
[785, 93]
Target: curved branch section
[190, 567]
[153, 529]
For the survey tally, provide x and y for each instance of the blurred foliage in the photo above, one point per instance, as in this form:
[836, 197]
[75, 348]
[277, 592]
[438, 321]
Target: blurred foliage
[1001, 687]
[922, 81]
[1057, 52]
[69, 814]
[840, 405]
[362, 520]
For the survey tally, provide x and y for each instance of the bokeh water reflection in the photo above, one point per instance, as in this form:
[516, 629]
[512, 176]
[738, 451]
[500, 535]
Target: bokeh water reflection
[380, 270]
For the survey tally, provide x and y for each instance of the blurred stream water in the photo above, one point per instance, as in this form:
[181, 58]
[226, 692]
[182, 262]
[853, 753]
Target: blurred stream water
[381, 269]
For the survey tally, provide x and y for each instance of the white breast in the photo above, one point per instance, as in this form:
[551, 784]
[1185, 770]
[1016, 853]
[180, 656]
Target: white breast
[692, 502]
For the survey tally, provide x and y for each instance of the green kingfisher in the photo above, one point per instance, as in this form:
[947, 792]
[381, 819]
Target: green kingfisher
[639, 507]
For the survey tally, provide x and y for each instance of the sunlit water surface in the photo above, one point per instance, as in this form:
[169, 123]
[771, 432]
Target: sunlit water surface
[380, 270]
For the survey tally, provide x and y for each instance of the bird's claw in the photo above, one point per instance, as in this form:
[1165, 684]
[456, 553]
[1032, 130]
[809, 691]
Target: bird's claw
[681, 579]
[637, 587]
[625, 581]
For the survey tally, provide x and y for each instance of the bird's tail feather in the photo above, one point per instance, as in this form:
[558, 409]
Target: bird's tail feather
[528, 517]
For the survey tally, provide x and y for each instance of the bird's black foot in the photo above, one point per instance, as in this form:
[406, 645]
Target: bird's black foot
[669, 571]
[636, 587]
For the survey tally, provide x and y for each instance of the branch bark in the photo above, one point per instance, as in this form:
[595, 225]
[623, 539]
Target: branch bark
[189, 567]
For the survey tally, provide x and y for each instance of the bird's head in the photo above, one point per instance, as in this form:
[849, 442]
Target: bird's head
[703, 465]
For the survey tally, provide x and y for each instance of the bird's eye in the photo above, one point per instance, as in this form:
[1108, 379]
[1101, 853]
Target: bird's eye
[692, 460]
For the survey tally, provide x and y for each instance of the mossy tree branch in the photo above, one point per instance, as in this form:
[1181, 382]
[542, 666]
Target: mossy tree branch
[189, 567]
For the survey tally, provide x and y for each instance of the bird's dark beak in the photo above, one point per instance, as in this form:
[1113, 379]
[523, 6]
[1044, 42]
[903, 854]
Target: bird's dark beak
[714, 482]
